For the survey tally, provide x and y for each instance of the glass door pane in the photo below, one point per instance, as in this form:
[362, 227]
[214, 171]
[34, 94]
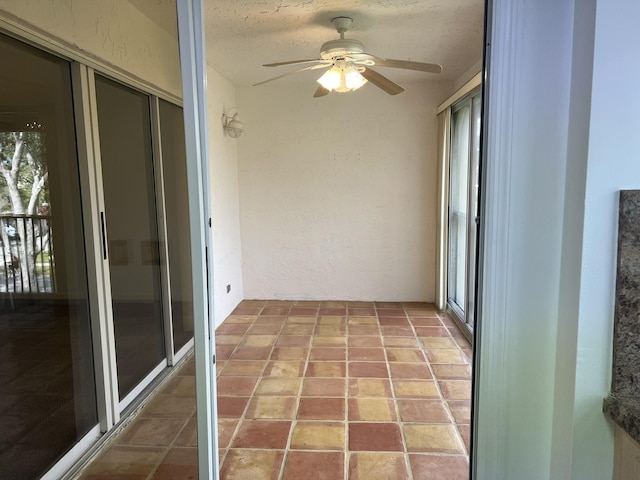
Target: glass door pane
[464, 163]
[174, 165]
[472, 224]
[458, 204]
[131, 229]
[47, 383]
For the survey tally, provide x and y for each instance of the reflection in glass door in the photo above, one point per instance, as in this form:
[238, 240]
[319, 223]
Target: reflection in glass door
[131, 231]
[82, 325]
[47, 382]
[464, 163]
[176, 207]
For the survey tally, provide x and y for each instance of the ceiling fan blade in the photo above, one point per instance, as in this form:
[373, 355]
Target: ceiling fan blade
[382, 82]
[409, 65]
[312, 67]
[296, 62]
[321, 92]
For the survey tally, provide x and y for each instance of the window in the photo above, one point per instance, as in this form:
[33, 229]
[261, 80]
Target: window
[461, 124]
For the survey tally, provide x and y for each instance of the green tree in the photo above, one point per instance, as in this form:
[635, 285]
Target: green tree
[23, 193]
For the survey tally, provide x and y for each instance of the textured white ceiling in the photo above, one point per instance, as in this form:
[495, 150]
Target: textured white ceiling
[241, 35]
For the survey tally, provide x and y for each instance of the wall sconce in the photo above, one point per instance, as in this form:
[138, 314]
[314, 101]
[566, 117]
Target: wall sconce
[232, 124]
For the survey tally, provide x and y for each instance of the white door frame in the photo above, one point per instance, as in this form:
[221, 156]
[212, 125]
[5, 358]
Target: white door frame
[536, 415]
[194, 87]
[103, 335]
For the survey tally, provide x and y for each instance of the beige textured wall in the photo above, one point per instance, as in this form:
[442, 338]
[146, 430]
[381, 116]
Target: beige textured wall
[338, 194]
[225, 208]
[113, 32]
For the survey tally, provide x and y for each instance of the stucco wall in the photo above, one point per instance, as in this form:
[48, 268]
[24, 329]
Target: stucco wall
[117, 35]
[112, 31]
[338, 194]
[225, 208]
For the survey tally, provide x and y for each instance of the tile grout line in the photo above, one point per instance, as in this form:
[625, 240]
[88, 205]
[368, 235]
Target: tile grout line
[294, 420]
[454, 377]
[172, 444]
[347, 385]
[446, 401]
[436, 381]
[250, 398]
[407, 459]
[346, 451]
[170, 447]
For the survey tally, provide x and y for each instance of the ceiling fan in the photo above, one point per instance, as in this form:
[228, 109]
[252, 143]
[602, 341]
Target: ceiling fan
[349, 67]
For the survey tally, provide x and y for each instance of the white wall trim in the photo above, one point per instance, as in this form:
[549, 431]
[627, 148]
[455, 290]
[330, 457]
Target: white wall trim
[442, 228]
[461, 92]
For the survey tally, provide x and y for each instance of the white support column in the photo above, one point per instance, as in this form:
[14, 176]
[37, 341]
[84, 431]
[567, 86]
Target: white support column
[442, 232]
[490, 367]
[193, 64]
[526, 122]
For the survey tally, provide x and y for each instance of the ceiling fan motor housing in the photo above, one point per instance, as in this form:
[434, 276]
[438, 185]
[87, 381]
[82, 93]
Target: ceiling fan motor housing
[341, 47]
[342, 23]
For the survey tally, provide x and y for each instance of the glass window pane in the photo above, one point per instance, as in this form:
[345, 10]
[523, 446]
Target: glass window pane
[174, 164]
[458, 200]
[474, 178]
[132, 231]
[47, 385]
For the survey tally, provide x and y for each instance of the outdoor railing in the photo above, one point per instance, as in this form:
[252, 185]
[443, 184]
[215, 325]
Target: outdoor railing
[26, 254]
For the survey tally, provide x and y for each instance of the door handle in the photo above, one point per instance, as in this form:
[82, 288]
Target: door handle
[104, 236]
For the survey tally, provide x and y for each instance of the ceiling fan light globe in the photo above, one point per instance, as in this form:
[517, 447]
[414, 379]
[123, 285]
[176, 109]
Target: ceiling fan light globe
[342, 77]
[331, 79]
[353, 80]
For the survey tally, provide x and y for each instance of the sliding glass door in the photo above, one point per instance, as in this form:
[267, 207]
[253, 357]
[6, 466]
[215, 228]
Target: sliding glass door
[47, 381]
[95, 265]
[176, 208]
[131, 230]
[464, 163]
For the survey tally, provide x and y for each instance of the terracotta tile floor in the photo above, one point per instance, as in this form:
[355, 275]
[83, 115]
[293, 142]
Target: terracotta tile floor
[315, 390]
